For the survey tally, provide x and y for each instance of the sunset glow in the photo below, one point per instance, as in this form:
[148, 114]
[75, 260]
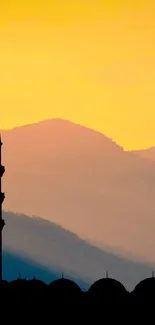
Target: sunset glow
[88, 61]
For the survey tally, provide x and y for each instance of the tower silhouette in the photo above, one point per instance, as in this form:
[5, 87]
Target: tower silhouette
[2, 197]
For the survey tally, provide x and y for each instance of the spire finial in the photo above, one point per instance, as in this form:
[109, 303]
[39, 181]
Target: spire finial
[106, 274]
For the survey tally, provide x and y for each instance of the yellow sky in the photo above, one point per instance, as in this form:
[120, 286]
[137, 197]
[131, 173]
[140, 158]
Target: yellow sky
[89, 61]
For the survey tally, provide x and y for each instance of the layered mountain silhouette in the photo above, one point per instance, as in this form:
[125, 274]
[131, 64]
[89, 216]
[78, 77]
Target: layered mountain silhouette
[147, 153]
[36, 247]
[83, 181]
[17, 266]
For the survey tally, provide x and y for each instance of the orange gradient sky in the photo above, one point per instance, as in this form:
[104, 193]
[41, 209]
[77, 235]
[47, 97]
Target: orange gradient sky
[89, 61]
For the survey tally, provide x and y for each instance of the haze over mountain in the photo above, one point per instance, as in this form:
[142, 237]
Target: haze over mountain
[147, 153]
[33, 245]
[83, 181]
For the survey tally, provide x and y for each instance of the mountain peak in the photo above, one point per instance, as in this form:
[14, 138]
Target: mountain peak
[64, 135]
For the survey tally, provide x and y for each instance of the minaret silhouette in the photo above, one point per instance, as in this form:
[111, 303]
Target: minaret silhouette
[106, 275]
[2, 197]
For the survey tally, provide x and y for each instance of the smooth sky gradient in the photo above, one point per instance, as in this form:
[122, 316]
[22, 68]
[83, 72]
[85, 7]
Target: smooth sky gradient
[89, 61]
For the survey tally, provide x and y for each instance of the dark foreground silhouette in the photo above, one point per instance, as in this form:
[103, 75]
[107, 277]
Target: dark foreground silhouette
[64, 299]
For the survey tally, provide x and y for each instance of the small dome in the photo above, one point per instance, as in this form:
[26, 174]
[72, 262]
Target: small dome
[34, 283]
[107, 288]
[64, 286]
[18, 282]
[145, 287]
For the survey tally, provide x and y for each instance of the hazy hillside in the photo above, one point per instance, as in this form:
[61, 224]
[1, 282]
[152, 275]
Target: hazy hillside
[84, 182]
[35, 245]
[147, 153]
[15, 266]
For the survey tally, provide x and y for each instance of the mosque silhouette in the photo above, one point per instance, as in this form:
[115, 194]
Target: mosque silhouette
[63, 297]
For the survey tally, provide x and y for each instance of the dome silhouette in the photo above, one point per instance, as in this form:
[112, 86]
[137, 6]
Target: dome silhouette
[64, 286]
[16, 288]
[145, 288]
[18, 284]
[36, 284]
[107, 288]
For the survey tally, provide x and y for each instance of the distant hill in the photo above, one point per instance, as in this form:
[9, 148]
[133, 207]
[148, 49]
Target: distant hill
[34, 245]
[83, 181]
[146, 153]
[15, 266]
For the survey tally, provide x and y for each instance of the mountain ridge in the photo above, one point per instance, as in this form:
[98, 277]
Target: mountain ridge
[136, 151]
[79, 180]
[60, 123]
[148, 153]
